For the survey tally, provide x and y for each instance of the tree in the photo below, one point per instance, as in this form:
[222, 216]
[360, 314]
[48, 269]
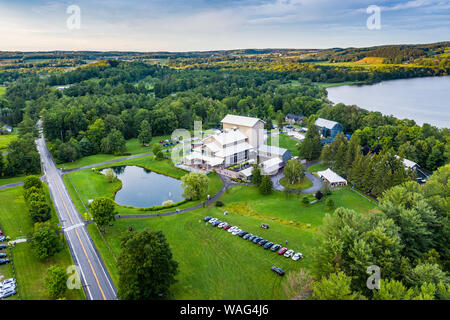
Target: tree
[195, 185]
[45, 240]
[266, 186]
[32, 181]
[294, 171]
[337, 286]
[2, 165]
[56, 281]
[103, 211]
[157, 151]
[311, 146]
[392, 290]
[256, 175]
[110, 176]
[427, 273]
[146, 266]
[145, 133]
[95, 134]
[114, 143]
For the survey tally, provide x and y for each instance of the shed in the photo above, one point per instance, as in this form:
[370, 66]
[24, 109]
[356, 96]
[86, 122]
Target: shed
[331, 177]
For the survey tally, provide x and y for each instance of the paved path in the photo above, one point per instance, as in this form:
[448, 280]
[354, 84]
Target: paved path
[11, 185]
[276, 181]
[317, 182]
[94, 276]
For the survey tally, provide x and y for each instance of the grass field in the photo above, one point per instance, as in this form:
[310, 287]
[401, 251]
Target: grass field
[30, 271]
[286, 142]
[133, 147]
[304, 184]
[5, 140]
[4, 181]
[2, 90]
[90, 185]
[317, 167]
[217, 265]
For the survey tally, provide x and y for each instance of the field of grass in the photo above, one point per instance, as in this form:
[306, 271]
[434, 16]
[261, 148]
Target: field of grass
[217, 265]
[304, 184]
[2, 90]
[5, 140]
[133, 147]
[4, 181]
[29, 270]
[90, 185]
[317, 167]
[286, 142]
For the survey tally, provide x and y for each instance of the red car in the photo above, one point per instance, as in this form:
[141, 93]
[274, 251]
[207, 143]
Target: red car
[228, 226]
[282, 250]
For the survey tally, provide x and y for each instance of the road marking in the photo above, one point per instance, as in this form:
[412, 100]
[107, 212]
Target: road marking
[73, 227]
[82, 246]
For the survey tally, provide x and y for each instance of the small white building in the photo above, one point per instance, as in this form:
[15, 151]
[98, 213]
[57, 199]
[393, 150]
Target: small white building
[332, 178]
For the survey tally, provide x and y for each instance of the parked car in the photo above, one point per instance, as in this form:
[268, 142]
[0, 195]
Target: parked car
[4, 261]
[10, 280]
[232, 229]
[216, 223]
[3, 246]
[248, 235]
[264, 226]
[289, 253]
[268, 245]
[242, 233]
[2, 238]
[256, 240]
[1, 232]
[297, 256]
[278, 271]
[252, 237]
[212, 220]
[262, 242]
[282, 251]
[275, 247]
[236, 232]
[228, 226]
[207, 218]
[3, 255]
[7, 293]
[221, 225]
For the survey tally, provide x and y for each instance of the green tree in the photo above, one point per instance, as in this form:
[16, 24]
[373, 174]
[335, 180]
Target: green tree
[195, 185]
[157, 151]
[32, 181]
[393, 290]
[294, 171]
[337, 286]
[311, 147]
[103, 211]
[146, 266]
[427, 273]
[56, 281]
[45, 240]
[266, 186]
[95, 133]
[114, 143]
[110, 176]
[145, 133]
[256, 175]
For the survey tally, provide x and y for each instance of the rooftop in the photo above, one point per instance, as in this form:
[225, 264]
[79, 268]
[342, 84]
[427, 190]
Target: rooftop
[240, 120]
[331, 176]
[324, 123]
[272, 149]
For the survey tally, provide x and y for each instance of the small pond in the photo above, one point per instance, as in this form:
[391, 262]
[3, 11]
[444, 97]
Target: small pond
[142, 188]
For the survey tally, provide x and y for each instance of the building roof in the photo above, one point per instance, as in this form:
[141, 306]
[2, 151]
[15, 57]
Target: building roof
[331, 176]
[230, 136]
[272, 149]
[229, 151]
[271, 165]
[247, 172]
[408, 163]
[240, 120]
[294, 116]
[324, 123]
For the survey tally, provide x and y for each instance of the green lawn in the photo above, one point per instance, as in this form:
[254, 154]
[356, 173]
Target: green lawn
[133, 147]
[2, 90]
[304, 184]
[317, 167]
[287, 142]
[30, 271]
[4, 181]
[5, 140]
[91, 185]
[216, 265]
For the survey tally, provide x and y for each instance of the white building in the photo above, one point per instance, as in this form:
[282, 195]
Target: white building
[332, 178]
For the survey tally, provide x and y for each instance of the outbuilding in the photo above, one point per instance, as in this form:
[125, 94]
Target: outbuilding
[332, 178]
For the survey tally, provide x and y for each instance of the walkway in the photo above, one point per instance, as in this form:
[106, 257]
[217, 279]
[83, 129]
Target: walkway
[317, 182]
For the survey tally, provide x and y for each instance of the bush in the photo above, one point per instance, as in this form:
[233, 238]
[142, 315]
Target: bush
[330, 203]
[318, 195]
[266, 186]
[305, 200]
[219, 203]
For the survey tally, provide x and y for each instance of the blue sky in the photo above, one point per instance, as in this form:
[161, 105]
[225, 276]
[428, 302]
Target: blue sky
[157, 25]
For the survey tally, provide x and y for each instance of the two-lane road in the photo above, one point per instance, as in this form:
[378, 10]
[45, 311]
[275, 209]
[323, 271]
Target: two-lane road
[94, 276]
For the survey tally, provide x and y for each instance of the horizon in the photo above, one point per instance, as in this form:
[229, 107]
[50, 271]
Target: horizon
[202, 26]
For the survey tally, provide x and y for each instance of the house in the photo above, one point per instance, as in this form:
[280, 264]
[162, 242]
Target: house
[266, 152]
[7, 129]
[328, 129]
[292, 118]
[252, 128]
[422, 175]
[331, 177]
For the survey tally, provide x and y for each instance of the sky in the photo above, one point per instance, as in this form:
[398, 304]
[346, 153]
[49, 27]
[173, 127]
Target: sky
[199, 25]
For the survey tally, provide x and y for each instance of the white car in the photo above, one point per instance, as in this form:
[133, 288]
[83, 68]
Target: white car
[221, 225]
[212, 220]
[297, 256]
[235, 232]
[232, 229]
[289, 253]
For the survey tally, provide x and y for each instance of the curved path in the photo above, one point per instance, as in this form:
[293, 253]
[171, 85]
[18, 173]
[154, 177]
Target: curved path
[317, 182]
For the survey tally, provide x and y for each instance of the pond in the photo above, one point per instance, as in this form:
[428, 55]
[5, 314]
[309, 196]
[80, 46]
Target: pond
[142, 188]
[424, 100]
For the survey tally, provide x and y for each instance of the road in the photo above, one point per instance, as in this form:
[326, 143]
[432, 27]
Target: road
[94, 277]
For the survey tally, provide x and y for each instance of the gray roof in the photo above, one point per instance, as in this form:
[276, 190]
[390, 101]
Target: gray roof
[240, 120]
[324, 123]
[272, 149]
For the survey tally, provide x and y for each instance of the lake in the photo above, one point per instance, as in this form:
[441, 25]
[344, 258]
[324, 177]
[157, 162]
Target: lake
[142, 188]
[424, 100]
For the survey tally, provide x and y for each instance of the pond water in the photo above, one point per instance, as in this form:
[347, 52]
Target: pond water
[424, 100]
[143, 188]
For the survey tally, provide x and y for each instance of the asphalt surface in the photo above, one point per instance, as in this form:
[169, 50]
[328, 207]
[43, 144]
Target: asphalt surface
[95, 279]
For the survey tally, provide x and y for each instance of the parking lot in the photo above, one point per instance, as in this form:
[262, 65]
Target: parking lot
[7, 286]
[255, 239]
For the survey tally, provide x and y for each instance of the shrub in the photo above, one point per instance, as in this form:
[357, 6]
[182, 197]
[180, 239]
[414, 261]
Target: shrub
[219, 203]
[305, 200]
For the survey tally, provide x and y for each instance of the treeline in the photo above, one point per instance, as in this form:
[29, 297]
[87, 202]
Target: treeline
[372, 173]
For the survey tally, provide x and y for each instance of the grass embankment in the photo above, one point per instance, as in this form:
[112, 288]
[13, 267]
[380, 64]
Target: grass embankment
[30, 271]
[90, 185]
[217, 265]
[5, 181]
[5, 140]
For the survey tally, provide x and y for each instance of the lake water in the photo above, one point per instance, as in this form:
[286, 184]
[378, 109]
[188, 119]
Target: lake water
[424, 100]
[143, 188]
